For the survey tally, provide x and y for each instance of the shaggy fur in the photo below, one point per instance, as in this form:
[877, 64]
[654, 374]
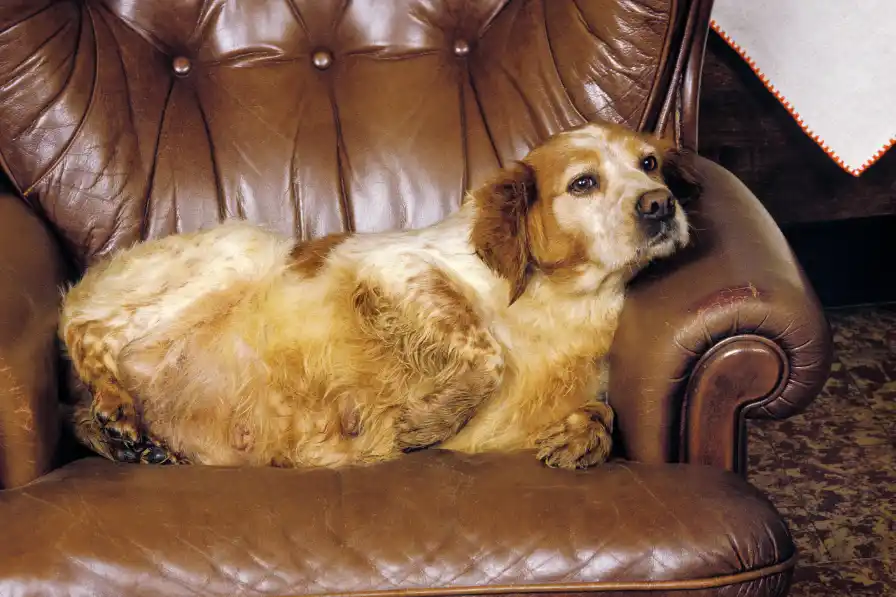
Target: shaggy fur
[486, 331]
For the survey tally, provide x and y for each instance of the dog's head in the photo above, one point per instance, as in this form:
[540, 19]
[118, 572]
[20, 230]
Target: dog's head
[599, 194]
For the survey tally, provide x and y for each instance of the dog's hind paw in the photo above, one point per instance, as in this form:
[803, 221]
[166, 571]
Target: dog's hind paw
[116, 417]
[145, 451]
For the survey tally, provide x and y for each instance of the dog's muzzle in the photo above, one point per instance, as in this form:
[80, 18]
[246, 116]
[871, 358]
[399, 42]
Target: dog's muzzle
[656, 213]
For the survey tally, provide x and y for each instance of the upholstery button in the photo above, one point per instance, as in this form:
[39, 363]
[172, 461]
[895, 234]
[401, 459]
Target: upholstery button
[461, 47]
[322, 59]
[182, 66]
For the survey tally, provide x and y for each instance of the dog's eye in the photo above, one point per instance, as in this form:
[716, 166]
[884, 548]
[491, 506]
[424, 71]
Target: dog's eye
[583, 184]
[648, 164]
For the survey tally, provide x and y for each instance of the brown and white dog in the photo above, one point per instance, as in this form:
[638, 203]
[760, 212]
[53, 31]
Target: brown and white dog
[485, 332]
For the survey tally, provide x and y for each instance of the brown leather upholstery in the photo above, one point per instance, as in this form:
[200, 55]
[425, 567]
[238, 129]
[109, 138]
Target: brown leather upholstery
[125, 120]
[431, 520]
[31, 272]
[727, 329]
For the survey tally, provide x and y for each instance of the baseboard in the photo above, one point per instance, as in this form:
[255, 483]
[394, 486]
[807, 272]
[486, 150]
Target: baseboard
[849, 262]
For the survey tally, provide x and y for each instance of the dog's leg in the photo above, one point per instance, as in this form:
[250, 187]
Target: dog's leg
[438, 415]
[112, 407]
[145, 450]
[436, 334]
[89, 432]
[105, 417]
[581, 439]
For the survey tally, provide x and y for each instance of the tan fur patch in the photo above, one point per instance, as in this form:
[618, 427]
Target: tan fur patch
[435, 338]
[554, 249]
[113, 407]
[499, 235]
[309, 257]
[516, 231]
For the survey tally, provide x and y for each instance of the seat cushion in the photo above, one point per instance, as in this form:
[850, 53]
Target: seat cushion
[433, 523]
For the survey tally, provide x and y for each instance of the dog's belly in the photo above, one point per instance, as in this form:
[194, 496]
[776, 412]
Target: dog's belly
[280, 379]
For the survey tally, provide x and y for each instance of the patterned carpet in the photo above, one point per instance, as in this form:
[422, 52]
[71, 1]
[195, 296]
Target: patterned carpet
[831, 470]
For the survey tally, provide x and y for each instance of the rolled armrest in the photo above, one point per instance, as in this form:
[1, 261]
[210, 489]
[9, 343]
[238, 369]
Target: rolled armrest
[31, 274]
[728, 329]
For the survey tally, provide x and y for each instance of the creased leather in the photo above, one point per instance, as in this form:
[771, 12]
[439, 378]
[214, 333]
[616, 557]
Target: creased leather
[432, 521]
[114, 146]
[739, 277]
[31, 273]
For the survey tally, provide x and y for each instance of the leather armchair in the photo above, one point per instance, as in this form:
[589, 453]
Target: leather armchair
[122, 121]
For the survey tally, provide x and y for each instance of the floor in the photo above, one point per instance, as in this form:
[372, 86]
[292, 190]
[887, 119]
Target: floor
[831, 470]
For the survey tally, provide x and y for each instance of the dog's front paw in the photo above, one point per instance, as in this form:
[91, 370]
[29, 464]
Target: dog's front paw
[116, 417]
[582, 439]
[412, 433]
[437, 416]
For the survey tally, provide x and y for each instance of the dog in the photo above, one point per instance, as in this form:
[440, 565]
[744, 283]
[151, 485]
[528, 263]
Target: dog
[487, 331]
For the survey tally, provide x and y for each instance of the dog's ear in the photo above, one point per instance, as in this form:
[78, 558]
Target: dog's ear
[499, 233]
[680, 175]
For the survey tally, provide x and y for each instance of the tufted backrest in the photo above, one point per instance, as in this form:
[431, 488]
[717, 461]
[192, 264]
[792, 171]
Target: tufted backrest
[122, 120]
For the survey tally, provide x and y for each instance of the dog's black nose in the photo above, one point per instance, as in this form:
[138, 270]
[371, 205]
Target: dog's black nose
[656, 205]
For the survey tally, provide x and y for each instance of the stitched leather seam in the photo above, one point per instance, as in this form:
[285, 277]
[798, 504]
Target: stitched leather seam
[479, 106]
[585, 587]
[150, 183]
[217, 175]
[689, 103]
[653, 96]
[463, 74]
[678, 70]
[295, 194]
[553, 56]
[90, 102]
[342, 164]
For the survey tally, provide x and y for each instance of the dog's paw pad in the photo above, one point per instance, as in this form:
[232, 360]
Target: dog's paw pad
[156, 452]
[410, 440]
[125, 454]
[154, 455]
[413, 435]
[146, 451]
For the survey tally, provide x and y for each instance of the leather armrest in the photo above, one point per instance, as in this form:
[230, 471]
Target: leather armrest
[31, 274]
[727, 329]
